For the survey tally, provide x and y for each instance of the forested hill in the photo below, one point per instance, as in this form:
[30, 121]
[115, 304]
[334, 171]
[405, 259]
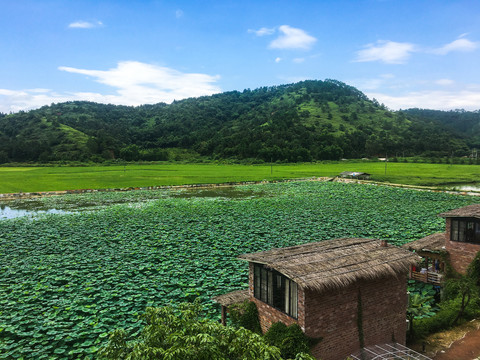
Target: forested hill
[309, 120]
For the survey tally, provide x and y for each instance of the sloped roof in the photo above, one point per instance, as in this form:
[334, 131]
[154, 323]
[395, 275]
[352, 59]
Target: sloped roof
[434, 243]
[466, 211]
[336, 263]
[234, 297]
[354, 173]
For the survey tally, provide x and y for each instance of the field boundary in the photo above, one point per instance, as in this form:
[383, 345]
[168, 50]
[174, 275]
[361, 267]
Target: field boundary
[28, 195]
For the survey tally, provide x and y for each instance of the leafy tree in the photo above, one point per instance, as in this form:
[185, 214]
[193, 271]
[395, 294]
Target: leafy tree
[418, 307]
[182, 334]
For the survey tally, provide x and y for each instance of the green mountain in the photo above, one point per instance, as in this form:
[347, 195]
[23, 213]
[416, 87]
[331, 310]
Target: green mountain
[463, 123]
[309, 120]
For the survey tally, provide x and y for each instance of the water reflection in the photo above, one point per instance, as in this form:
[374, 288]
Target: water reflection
[6, 212]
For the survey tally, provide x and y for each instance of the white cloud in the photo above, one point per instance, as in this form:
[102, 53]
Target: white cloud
[16, 100]
[444, 82]
[135, 83]
[85, 24]
[468, 99]
[372, 83]
[263, 31]
[277, 60]
[298, 60]
[462, 44]
[292, 38]
[389, 52]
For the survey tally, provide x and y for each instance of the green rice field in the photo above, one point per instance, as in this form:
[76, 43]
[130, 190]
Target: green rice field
[67, 280]
[35, 179]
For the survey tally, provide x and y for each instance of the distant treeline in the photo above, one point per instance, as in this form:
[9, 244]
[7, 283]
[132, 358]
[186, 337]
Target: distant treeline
[305, 121]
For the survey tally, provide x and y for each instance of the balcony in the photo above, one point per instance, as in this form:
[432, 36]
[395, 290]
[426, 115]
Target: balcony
[429, 277]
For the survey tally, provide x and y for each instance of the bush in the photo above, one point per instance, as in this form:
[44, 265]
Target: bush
[444, 318]
[291, 340]
[245, 315]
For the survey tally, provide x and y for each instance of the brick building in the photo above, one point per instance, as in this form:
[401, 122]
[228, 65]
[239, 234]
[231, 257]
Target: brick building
[460, 244]
[349, 292]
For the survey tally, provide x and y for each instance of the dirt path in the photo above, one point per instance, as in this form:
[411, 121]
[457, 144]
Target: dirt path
[467, 348]
[459, 343]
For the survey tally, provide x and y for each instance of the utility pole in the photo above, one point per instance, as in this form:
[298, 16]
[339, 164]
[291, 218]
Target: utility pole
[386, 161]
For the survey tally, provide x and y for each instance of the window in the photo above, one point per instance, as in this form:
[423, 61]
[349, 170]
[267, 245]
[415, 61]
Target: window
[275, 289]
[465, 230]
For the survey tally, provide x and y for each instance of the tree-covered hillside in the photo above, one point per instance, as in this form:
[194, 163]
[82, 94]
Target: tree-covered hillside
[461, 122]
[309, 120]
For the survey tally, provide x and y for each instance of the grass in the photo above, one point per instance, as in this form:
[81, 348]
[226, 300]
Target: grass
[34, 179]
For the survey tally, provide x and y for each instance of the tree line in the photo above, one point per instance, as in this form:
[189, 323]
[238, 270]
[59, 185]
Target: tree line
[305, 121]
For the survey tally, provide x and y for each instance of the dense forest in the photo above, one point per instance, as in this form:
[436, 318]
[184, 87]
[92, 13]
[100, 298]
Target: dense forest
[305, 121]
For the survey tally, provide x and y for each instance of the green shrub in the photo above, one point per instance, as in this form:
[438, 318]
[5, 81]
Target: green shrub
[291, 340]
[245, 315]
[444, 318]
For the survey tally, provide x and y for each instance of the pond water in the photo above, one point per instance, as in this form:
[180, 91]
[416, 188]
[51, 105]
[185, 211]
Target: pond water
[81, 202]
[6, 212]
[230, 192]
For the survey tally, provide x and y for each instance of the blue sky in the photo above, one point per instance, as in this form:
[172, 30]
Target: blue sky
[404, 53]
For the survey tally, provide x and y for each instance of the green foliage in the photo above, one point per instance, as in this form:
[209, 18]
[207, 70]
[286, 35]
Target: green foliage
[185, 335]
[246, 315]
[291, 340]
[461, 301]
[444, 318]
[421, 300]
[473, 271]
[68, 280]
[309, 120]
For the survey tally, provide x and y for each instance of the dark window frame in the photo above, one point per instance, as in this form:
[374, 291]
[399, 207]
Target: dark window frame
[275, 289]
[466, 230]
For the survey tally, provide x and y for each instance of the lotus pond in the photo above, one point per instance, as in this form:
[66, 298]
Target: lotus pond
[68, 279]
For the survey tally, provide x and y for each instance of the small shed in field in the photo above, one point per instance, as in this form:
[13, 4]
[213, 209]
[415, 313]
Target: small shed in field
[349, 292]
[355, 175]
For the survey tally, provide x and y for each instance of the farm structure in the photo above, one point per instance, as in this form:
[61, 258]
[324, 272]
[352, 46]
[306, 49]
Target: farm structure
[355, 175]
[459, 243]
[350, 292]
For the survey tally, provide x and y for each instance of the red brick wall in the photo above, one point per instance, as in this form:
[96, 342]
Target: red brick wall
[332, 315]
[461, 254]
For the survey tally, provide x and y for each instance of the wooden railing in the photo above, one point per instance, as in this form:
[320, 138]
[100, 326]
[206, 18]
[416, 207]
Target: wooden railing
[428, 277]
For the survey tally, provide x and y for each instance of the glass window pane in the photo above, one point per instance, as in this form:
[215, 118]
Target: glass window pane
[461, 230]
[294, 299]
[477, 232]
[270, 288]
[454, 230]
[263, 286]
[256, 281]
[287, 296]
[279, 292]
[470, 232]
